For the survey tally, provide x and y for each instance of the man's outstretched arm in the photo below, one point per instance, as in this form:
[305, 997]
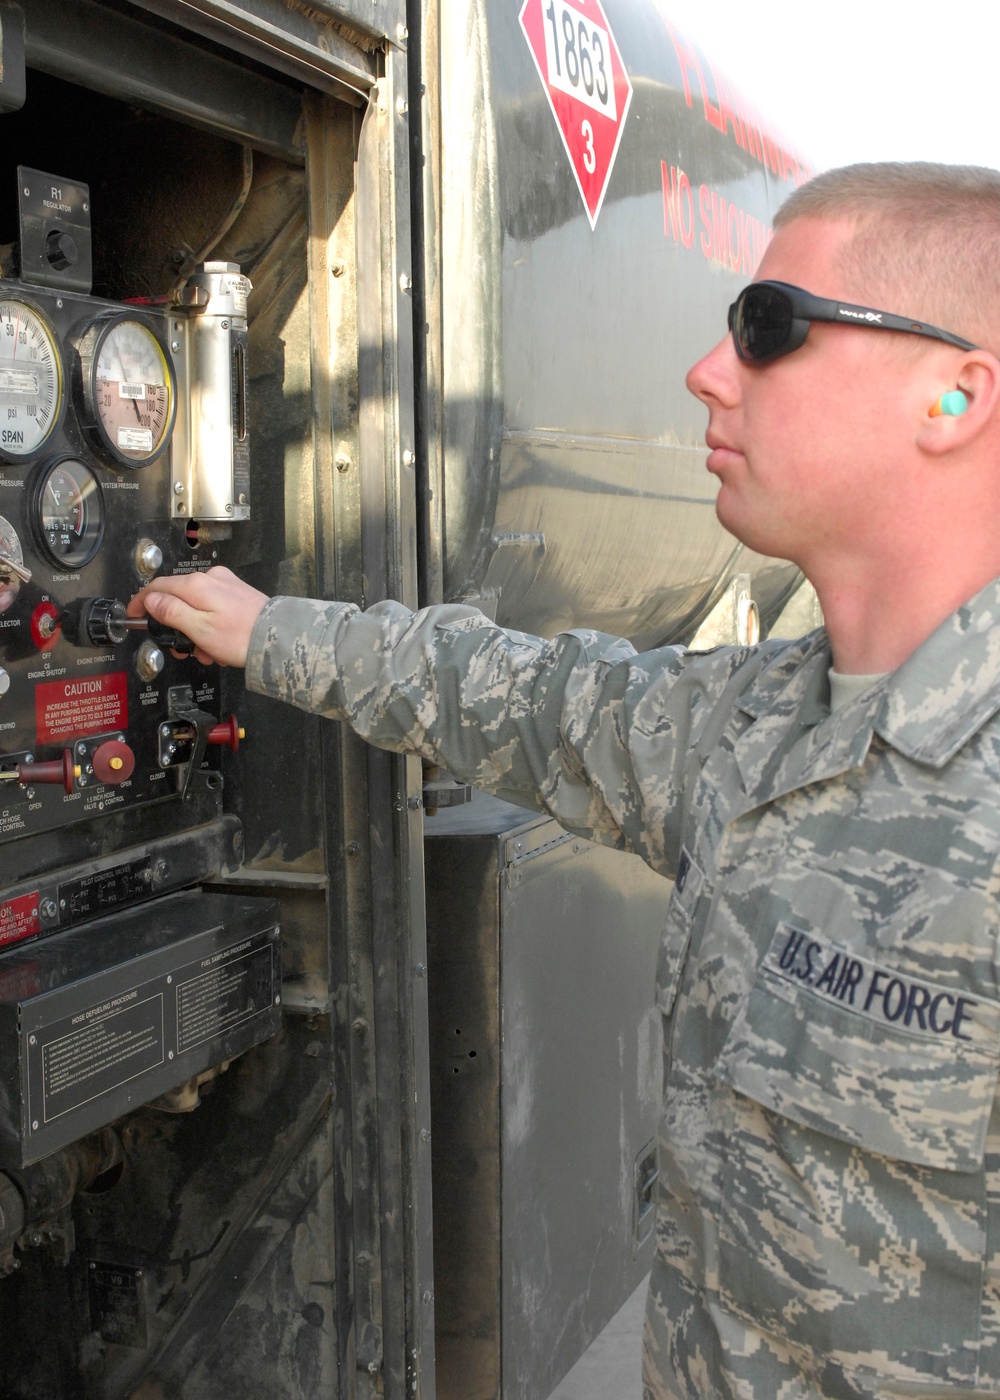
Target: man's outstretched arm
[543, 723]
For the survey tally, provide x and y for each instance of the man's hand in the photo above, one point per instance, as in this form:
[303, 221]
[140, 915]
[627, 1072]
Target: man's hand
[216, 610]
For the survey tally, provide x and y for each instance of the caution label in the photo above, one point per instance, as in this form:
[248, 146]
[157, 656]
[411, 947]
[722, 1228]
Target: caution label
[73, 708]
[19, 918]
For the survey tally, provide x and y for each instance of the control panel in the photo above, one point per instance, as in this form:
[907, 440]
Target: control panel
[124, 454]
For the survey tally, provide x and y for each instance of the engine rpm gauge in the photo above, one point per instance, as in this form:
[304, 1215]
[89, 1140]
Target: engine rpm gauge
[31, 379]
[68, 513]
[128, 391]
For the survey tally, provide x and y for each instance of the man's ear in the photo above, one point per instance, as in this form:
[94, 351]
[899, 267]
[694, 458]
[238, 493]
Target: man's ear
[950, 425]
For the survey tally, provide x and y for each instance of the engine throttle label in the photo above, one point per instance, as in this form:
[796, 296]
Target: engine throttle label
[19, 918]
[71, 709]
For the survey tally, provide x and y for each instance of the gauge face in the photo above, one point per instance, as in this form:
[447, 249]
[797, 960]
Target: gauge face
[10, 549]
[69, 513]
[31, 379]
[131, 392]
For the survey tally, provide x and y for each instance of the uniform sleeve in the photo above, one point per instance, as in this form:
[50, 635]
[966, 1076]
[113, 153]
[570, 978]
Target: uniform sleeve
[579, 726]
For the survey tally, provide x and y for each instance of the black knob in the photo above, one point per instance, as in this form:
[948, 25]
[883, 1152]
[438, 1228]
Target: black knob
[61, 250]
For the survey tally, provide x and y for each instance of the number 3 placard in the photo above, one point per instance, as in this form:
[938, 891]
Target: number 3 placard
[586, 84]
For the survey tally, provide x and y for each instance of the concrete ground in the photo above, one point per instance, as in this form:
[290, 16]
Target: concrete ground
[611, 1367]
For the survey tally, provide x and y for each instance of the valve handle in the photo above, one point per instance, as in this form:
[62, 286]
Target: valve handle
[229, 732]
[113, 762]
[56, 770]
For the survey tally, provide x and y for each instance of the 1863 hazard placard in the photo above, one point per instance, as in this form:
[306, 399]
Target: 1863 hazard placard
[586, 85]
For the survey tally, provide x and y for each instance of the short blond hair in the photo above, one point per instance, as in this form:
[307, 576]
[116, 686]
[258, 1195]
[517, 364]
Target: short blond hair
[927, 238]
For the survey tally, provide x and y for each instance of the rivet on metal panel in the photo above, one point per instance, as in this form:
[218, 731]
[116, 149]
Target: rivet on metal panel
[420, 970]
[408, 460]
[402, 33]
[342, 462]
[412, 802]
[338, 269]
[401, 106]
[428, 1296]
[425, 1135]
[352, 848]
[404, 282]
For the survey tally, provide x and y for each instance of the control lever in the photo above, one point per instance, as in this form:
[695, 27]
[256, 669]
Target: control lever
[163, 635]
[11, 568]
[57, 770]
[101, 622]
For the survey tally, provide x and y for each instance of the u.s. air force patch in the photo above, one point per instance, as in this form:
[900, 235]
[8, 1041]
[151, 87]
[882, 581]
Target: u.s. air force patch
[866, 1052]
[881, 994]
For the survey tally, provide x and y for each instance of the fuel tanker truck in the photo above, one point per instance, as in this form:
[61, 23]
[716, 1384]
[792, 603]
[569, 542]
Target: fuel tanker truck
[322, 1075]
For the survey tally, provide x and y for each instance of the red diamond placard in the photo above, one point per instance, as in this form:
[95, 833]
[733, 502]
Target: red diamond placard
[586, 84]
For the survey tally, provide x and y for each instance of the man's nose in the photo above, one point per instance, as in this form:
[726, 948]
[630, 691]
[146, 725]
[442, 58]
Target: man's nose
[714, 377]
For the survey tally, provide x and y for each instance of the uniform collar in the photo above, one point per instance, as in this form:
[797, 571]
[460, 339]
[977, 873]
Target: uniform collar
[794, 739]
[926, 709]
[947, 690]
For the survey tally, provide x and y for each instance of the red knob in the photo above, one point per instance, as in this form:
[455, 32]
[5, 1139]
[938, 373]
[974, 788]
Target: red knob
[229, 732]
[113, 762]
[56, 770]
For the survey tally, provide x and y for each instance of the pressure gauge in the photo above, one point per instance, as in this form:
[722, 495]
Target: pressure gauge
[31, 379]
[68, 513]
[128, 388]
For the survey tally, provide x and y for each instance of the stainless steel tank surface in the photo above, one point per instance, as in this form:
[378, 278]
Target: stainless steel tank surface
[571, 483]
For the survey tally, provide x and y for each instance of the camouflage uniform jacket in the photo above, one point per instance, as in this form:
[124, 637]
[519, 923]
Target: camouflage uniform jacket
[830, 1212]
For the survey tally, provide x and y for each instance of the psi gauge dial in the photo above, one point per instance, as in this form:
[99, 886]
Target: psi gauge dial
[128, 391]
[31, 379]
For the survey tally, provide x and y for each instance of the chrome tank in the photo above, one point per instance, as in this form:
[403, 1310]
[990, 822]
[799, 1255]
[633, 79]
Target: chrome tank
[566, 480]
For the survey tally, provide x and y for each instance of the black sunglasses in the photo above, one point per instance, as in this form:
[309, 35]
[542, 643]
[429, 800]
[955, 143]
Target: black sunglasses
[771, 319]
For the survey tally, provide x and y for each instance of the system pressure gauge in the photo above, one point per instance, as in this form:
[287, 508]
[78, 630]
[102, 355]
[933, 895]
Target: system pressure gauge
[68, 513]
[128, 387]
[31, 379]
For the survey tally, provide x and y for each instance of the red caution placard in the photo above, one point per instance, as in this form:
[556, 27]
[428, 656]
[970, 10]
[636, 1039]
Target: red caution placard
[72, 709]
[586, 84]
[19, 918]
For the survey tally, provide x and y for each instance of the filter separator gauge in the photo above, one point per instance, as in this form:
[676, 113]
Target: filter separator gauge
[128, 388]
[31, 379]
